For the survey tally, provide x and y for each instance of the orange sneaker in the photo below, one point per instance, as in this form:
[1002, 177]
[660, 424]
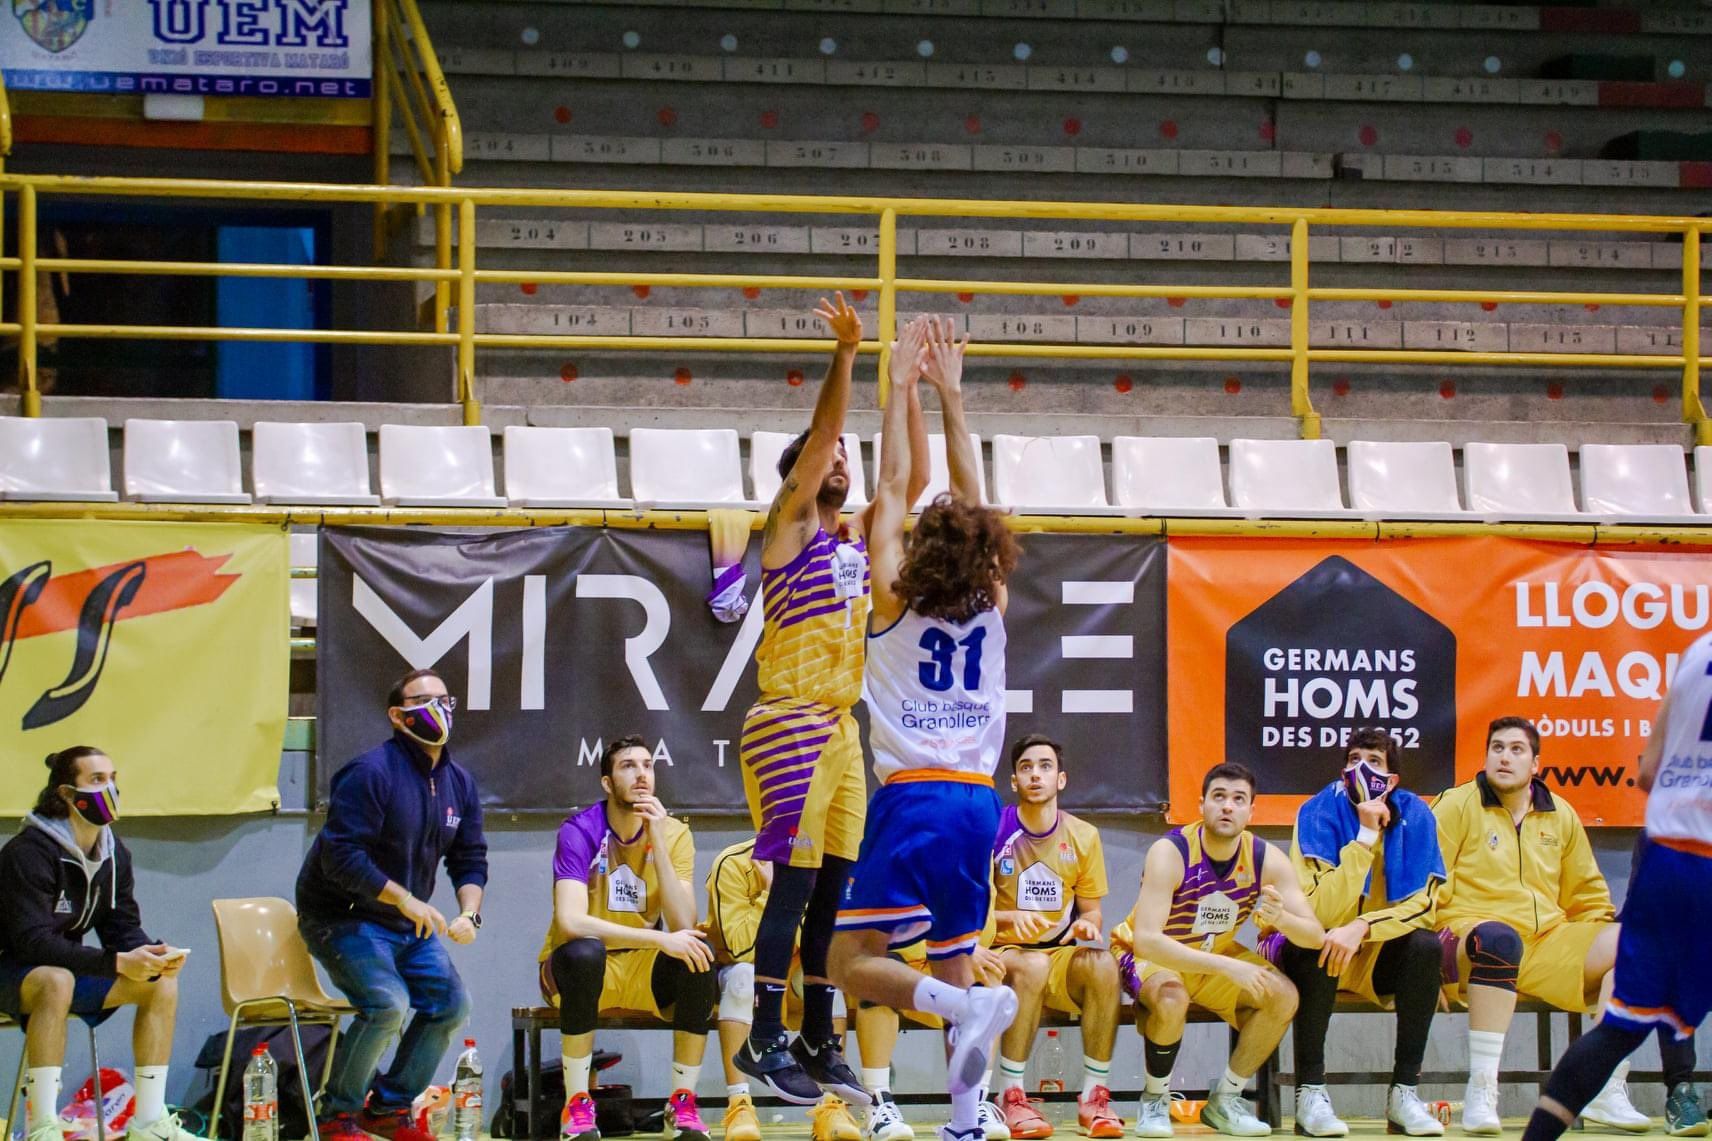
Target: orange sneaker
[1021, 1118]
[1094, 1114]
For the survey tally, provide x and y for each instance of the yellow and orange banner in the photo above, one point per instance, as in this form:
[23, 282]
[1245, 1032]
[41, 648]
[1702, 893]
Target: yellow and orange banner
[164, 645]
[1279, 648]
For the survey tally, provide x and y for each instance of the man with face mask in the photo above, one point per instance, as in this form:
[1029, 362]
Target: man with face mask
[67, 874]
[393, 815]
[1367, 854]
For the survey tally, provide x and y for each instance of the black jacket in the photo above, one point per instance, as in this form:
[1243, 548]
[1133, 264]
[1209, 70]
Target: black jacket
[391, 817]
[52, 902]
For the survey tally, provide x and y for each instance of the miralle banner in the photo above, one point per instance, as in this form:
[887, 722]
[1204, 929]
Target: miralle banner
[1278, 648]
[555, 640]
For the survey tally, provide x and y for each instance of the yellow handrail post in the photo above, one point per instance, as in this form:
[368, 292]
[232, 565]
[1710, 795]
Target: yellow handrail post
[1693, 410]
[31, 395]
[1301, 406]
[467, 311]
[888, 297]
[443, 230]
[382, 116]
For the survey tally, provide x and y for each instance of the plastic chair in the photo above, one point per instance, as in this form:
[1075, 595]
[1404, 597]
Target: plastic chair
[1062, 474]
[1703, 476]
[305, 554]
[1285, 477]
[91, 1021]
[561, 467]
[1168, 475]
[183, 461]
[686, 467]
[1403, 480]
[939, 475]
[311, 463]
[1647, 481]
[437, 466]
[267, 978]
[55, 460]
[765, 448]
[1519, 481]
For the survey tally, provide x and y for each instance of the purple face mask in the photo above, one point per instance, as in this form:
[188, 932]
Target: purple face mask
[1363, 782]
[430, 722]
[98, 805]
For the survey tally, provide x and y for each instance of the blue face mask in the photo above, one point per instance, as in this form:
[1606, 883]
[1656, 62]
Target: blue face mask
[1363, 782]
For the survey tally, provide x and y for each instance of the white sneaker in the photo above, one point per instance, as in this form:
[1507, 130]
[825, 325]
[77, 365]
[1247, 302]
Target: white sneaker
[1315, 1116]
[1480, 1107]
[993, 1125]
[1153, 1115]
[1233, 1115]
[165, 1129]
[987, 1011]
[885, 1122]
[1405, 1112]
[1613, 1109]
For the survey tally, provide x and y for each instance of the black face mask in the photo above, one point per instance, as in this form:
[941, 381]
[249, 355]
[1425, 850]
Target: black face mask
[430, 722]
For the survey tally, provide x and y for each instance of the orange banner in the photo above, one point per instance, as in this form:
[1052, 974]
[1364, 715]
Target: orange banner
[1279, 648]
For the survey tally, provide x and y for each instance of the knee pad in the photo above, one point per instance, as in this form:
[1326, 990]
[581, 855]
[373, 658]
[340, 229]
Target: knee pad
[579, 972]
[737, 993]
[1494, 955]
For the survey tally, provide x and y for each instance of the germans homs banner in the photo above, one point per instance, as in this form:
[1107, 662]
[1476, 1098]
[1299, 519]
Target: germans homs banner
[556, 640]
[1279, 648]
[165, 645]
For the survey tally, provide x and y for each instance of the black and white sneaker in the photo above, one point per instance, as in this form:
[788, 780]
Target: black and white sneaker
[826, 1066]
[775, 1067]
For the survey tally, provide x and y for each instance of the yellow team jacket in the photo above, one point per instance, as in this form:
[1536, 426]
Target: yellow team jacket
[1341, 894]
[1532, 877]
[736, 896]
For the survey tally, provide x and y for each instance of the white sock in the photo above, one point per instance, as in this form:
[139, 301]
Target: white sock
[737, 1089]
[1012, 1074]
[1485, 1047]
[965, 1111]
[685, 1076]
[151, 1095]
[1095, 1073]
[576, 1074]
[987, 1078]
[877, 1080]
[41, 1087]
[935, 997]
[1155, 1086]
[1232, 1082]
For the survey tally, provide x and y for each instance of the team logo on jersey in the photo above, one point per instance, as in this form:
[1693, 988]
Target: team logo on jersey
[1007, 867]
[1215, 913]
[54, 25]
[626, 891]
[1040, 889]
[452, 817]
[1492, 840]
[63, 905]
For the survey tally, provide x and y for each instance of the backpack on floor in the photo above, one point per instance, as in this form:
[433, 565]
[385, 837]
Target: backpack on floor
[293, 1114]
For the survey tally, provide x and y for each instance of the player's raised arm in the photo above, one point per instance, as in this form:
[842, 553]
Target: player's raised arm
[891, 495]
[943, 369]
[1653, 751]
[921, 459]
[792, 519]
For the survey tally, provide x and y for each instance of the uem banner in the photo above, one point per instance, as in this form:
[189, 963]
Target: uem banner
[304, 48]
[1278, 649]
[555, 640]
[166, 645]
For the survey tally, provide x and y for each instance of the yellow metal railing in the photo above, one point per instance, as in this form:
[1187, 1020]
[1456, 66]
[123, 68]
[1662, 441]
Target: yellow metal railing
[408, 79]
[1298, 292]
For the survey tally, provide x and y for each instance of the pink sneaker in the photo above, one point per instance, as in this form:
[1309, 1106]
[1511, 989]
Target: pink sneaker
[576, 1123]
[683, 1119]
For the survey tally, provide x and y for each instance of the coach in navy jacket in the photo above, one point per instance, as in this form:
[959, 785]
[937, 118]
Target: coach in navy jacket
[393, 815]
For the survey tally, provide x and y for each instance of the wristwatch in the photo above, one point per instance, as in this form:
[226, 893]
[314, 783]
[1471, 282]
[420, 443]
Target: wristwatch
[474, 917]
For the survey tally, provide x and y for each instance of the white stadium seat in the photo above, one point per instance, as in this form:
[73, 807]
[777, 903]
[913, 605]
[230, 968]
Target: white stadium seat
[939, 475]
[305, 553]
[1390, 480]
[561, 467]
[437, 466]
[1519, 481]
[1054, 473]
[686, 468]
[61, 460]
[765, 448]
[1164, 475]
[183, 461]
[1638, 481]
[311, 464]
[1703, 477]
[1285, 477]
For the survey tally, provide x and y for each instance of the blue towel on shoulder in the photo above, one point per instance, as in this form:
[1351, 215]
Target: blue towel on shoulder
[1328, 821]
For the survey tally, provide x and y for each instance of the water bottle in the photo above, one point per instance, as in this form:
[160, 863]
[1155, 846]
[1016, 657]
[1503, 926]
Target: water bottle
[467, 1094]
[1049, 1064]
[261, 1097]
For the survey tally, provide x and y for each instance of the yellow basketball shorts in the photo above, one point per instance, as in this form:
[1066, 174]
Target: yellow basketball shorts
[1057, 993]
[1554, 962]
[628, 984]
[1211, 992]
[802, 775]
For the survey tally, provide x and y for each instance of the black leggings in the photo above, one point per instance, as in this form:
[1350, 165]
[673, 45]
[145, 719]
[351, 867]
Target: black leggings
[1406, 969]
[579, 970]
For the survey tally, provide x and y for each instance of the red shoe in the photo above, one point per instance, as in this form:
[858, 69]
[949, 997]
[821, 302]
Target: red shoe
[683, 1118]
[1094, 1114]
[392, 1125]
[577, 1122]
[1023, 1120]
[341, 1127]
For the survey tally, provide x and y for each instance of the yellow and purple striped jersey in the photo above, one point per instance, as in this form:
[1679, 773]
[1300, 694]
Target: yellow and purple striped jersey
[813, 638]
[1049, 872]
[1213, 900]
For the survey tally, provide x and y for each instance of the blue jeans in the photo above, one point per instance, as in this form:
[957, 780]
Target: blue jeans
[386, 974]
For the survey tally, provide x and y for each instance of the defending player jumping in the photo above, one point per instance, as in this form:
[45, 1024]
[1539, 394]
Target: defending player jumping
[935, 694]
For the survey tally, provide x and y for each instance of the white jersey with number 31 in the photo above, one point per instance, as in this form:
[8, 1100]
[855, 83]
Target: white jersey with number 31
[935, 692]
[1680, 804]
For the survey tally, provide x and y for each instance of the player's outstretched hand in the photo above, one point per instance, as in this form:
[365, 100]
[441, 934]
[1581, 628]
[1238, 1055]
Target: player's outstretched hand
[688, 947]
[841, 319]
[944, 365]
[909, 353]
[1029, 925]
